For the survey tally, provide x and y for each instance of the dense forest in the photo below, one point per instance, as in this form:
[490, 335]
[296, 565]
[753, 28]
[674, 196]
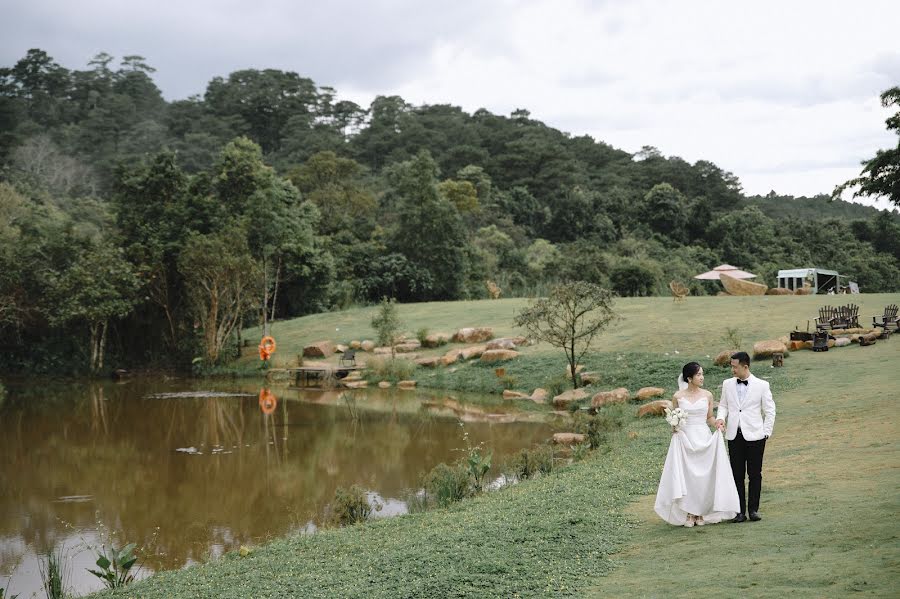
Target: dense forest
[136, 231]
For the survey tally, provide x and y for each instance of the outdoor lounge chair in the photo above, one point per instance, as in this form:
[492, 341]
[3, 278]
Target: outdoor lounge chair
[888, 320]
[348, 358]
[826, 319]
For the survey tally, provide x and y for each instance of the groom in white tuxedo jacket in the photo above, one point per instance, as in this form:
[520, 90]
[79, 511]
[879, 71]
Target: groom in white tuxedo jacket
[747, 414]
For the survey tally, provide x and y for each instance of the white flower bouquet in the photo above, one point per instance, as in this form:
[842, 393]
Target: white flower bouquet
[676, 417]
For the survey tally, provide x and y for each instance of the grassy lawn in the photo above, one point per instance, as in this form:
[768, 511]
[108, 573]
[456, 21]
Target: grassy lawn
[830, 489]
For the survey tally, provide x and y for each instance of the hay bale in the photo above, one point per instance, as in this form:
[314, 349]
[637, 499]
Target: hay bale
[842, 342]
[779, 291]
[367, 345]
[803, 291]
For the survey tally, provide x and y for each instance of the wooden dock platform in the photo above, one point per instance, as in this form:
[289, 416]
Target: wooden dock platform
[305, 375]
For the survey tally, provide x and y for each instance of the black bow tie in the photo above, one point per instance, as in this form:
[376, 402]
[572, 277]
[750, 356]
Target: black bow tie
[745, 382]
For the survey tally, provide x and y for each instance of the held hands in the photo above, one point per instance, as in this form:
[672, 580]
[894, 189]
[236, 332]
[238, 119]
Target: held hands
[720, 424]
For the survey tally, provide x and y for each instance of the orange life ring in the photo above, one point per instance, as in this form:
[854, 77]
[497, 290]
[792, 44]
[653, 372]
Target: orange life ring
[266, 347]
[267, 402]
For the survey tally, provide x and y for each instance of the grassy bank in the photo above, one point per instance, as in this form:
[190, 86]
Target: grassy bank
[829, 498]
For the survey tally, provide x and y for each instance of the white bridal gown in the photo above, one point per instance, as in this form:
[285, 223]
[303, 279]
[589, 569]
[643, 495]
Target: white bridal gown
[696, 478]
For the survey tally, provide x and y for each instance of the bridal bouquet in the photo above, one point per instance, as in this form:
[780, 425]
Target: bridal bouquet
[676, 417]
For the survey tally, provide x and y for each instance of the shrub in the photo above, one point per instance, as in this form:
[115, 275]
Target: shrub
[580, 451]
[350, 506]
[529, 462]
[391, 369]
[596, 427]
[447, 484]
[53, 573]
[421, 334]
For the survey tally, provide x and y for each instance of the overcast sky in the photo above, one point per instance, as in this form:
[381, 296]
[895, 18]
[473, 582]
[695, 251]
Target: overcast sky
[783, 94]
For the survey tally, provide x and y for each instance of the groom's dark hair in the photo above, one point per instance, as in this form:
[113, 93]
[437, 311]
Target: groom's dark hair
[742, 357]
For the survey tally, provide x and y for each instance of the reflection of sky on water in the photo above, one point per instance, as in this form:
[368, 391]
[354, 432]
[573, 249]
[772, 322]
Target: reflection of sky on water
[211, 473]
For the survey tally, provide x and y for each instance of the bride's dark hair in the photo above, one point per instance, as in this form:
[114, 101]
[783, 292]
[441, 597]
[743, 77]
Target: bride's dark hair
[690, 370]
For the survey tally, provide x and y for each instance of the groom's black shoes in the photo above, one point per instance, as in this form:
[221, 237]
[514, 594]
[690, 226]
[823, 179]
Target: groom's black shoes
[755, 517]
[741, 518]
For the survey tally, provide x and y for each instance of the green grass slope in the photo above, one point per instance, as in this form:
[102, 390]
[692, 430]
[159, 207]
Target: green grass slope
[830, 492]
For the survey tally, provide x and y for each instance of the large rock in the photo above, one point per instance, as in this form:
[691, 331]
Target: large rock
[498, 355]
[406, 385]
[507, 394]
[430, 362]
[504, 343]
[589, 378]
[765, 349]
[407, 347]
[571, 396]
[451, 357]
[356, 384]
[842, 342]
[473, 351]
[603, 398]
[319, 349]
[654, 408]
[473, 334]
[355, 344]
[540, 395]
[437, 339]
[384, 385]
[367, 345]
[724, 357]
[649, 392]
[578, 368]
[382, 351]
[340, 348]
[568, 438]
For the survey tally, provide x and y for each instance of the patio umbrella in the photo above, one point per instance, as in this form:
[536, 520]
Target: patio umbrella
[731, 271]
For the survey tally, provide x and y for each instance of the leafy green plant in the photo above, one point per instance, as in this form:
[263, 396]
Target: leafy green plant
[391, 369]
[421, 334]
[53, 574]
[447, 484]
[580, 451]
[115, 565]
[529, 462]
[477, 460]
[732, 338]
[350, 506]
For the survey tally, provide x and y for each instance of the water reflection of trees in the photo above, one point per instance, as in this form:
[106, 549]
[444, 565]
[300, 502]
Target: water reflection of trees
[258, 475]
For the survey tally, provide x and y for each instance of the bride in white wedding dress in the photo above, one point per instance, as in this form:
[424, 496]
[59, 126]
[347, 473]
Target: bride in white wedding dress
[696, 486]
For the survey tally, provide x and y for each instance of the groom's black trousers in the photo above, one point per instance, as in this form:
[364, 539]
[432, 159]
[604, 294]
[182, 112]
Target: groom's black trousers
[746, 458]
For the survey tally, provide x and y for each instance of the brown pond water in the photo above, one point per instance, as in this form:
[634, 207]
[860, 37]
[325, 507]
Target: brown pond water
[190, 476]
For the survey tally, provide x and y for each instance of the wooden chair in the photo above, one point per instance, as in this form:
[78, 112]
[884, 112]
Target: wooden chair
[348, 358]
[827, 316]
[852, 316]
[888, 320]
[679, 291]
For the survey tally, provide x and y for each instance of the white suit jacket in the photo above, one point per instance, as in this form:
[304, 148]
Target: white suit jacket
[755, 416]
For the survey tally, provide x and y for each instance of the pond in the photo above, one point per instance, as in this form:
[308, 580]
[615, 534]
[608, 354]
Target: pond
[190, 469]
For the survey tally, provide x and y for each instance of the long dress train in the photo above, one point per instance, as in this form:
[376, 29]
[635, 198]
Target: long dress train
[696, 478]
